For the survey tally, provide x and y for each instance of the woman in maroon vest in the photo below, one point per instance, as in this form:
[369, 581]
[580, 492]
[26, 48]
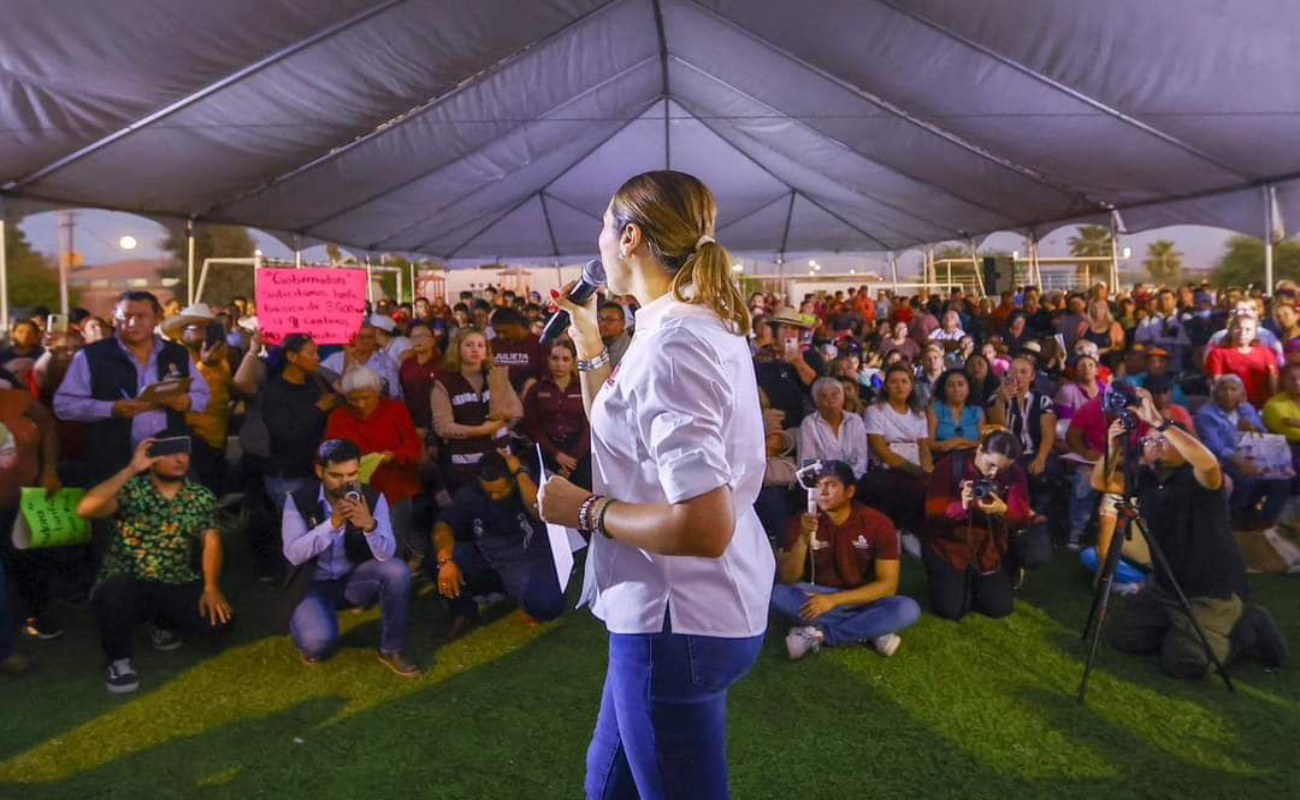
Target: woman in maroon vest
[466, 415]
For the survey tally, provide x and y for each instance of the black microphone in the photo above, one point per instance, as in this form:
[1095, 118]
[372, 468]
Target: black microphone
[593, 278]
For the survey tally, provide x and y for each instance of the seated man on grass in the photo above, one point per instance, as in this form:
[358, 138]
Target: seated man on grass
[148, 574]
[838, 572]
[338, 535]
[490, 540]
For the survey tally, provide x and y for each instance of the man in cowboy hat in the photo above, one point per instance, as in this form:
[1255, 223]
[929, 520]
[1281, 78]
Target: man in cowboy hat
[787, 368]
[197, 329]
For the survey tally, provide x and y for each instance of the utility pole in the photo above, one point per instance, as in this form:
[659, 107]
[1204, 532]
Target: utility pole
[67, 247]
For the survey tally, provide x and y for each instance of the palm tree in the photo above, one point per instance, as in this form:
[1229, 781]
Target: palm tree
[1163, 262]
[1092, 241]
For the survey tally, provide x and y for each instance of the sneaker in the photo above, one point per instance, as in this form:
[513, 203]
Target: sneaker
[802, 641]
[163, 639]
[122, 677]
[1075, 541]
[911, 544]
[41, 629]
[1269, 645]
[15, 665]
[888, 644]
[398, 663]
[1018, 577]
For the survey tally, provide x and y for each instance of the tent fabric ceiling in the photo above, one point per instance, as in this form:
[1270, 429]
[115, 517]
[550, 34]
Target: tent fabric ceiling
[500, 128]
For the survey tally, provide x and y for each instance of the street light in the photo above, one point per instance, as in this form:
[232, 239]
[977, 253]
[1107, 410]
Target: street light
[127, 242]
[1128, 251]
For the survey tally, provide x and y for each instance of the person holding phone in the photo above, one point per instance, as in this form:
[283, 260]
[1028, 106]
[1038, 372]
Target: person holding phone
[197, 329]
[338, 536]
[161, 518]
[680, 568]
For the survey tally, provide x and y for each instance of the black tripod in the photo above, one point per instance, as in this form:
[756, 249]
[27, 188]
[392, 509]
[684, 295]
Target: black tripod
[1128, 516]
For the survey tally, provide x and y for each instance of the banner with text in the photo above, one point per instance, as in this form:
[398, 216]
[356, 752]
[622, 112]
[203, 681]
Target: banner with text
[327, 304]
[50, 521]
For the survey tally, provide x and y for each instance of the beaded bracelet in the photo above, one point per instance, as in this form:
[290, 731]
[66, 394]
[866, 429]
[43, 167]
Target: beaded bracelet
[584, 513]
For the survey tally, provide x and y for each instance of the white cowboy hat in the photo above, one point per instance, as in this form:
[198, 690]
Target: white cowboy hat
[199, 314]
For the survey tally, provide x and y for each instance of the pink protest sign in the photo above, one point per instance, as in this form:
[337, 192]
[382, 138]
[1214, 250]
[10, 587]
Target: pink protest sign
[327, 304]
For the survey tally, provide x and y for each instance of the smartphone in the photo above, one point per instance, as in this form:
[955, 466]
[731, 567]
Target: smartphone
[791, 347]
[353, 493]
[57, 323]
[171, 446]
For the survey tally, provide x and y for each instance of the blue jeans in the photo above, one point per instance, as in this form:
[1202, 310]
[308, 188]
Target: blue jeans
[315, 625]
[662, 727]
[1083, 498]
[847, 625]
[532, 584]
[7, 622]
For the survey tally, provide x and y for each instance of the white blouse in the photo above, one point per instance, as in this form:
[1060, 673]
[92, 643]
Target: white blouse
[678, 418]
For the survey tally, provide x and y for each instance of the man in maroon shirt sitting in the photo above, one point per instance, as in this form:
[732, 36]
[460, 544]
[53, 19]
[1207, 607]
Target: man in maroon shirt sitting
[838, 572]
[514, 347]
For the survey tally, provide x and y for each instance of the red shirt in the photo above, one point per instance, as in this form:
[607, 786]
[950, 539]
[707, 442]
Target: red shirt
[1253, 368]
[417, 387]
[389, 428]
[969, 538]
[557, 419]
[526, 359]
[844, 556]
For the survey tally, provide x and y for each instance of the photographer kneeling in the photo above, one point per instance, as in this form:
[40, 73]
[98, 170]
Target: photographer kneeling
[1180, 492]
[339, 535]
[976, 507]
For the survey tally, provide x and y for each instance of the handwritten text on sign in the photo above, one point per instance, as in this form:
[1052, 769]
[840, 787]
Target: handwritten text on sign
[327, 304]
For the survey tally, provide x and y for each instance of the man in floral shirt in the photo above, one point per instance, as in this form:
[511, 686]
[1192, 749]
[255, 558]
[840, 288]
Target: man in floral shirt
[149, 573]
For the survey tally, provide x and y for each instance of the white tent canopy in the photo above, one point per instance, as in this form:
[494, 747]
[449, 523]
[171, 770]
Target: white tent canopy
[500, 128]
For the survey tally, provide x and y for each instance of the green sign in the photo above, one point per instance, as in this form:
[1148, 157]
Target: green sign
[50, 522]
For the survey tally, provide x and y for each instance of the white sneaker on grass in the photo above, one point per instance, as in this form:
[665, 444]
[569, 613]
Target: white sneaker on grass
[802, 641]
[122, 677]
[888, 644]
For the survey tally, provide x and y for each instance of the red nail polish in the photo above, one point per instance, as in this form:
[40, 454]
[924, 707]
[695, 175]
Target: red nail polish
[555, 293]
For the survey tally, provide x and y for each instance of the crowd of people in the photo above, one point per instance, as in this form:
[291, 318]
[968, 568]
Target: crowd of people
[973, 435]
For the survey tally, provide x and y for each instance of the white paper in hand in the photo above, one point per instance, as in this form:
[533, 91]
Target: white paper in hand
[559, 536]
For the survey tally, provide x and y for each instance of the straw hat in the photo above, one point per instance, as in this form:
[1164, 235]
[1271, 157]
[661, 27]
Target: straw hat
[197, 314]
[789, 315]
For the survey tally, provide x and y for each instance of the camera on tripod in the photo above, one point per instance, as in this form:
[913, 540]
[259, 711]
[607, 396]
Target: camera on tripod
[1119, 400]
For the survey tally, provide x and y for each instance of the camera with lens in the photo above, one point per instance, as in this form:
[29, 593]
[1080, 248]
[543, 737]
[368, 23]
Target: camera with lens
[1119, 400]
[983, 488]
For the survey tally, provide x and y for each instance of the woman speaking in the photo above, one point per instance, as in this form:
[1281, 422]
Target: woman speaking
[680, 569]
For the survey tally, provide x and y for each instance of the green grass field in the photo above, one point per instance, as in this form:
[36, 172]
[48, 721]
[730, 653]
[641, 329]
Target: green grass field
[972, 710]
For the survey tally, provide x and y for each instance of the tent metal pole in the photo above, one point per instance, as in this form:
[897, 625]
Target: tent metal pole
[893, 270]
[978, 268]
[297, 251]
[189, 260]
[370, 282]
[4, 273]
[1268, 240]
[1114, 255]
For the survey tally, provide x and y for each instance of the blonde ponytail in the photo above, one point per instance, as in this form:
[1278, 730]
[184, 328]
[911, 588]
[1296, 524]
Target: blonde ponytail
[708, 276]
